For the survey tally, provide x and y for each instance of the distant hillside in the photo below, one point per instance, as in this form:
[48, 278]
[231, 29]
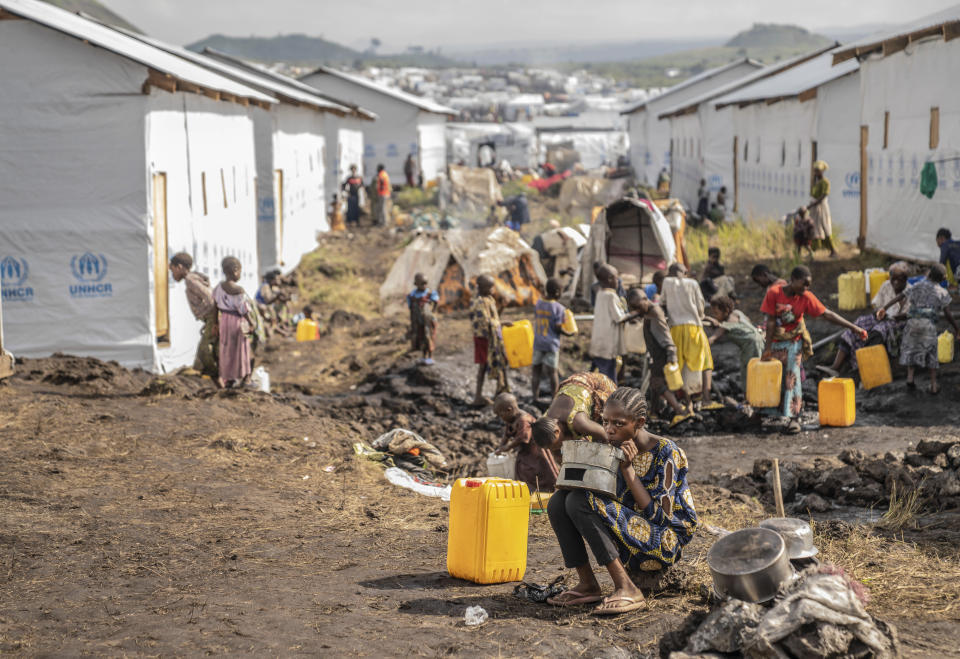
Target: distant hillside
[305, 50]
[769, 35]
[95, 9]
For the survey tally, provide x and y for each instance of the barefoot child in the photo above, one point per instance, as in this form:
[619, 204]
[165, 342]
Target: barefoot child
[423, 322]
[535, 466]
[488, 351]
[235, 322]
[549, 316]
[734, 326]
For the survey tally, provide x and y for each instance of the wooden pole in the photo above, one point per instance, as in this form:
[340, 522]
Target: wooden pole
[777, 492]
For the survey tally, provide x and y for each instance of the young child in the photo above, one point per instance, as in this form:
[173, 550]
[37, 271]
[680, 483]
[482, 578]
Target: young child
[488, 352]
[549, 316]
[608, 312]
[734, 326]
[660, 347]
[535, 465]
[422, 303]
[711, 271]
[803, 230]
[235, 324]
[928, 299]
[335, 215]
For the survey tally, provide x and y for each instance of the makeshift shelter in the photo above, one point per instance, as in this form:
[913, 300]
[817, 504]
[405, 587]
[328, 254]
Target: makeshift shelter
[452, 260]
[782, 125]
[342, 131]
[594, 147]
[580, 194]
[114, 155]
[513, 142]
[650, 136]
[631, 235]
[405, 123]
[701, 136]
[910, 120]
[473, 190]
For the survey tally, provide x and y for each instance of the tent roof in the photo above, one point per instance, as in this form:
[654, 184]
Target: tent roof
[700, 77]
[287, 81]
[167, 65]
[944, 24]
[284, 93]
[692, 104]
[801, 80]
[424, 104]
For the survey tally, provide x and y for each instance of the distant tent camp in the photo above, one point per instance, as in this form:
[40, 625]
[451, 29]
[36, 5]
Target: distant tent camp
[452, 260]
[633, 237]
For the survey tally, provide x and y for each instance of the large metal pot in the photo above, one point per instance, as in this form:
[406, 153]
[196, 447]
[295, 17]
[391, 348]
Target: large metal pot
[589, 466]
[796, 533]
[749, 564]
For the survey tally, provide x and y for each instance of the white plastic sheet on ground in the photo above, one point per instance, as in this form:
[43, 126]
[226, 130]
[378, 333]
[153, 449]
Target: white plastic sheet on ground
[404, 479]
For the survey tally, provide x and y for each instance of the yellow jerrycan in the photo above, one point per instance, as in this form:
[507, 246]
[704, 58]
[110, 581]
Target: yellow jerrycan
[852, 288]
[945, 347]
[518, 343]
[836, 399]
[569, 322]
[307, 330]
[673, 376]
[874, 365]
[764, 379]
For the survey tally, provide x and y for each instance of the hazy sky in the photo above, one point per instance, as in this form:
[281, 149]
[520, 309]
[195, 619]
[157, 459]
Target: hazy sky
[472, 23]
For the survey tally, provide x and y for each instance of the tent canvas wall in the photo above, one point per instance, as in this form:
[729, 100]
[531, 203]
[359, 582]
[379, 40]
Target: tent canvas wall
[452, 260]
[405, 123]
[649, 136]
[903, 130]
[513, 142]
[632, 237]
[106, 168]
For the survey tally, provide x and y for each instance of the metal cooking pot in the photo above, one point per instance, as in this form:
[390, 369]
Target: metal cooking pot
[589, 466]
[749, 564]
[796, 533]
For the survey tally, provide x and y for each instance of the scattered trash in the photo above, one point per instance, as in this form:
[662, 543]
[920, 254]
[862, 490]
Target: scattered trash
[400, 441]
[260, 379]
[534, 592]
[307, 477]
[475, 615]
[329, 469]
[402, 478]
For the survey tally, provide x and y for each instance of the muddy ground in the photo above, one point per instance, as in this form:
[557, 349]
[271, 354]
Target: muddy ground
[158, 516]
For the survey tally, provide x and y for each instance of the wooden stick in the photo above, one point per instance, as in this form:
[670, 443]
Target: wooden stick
[777, 492]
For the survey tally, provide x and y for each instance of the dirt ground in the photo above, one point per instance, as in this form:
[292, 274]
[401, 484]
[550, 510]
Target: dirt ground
[154, 516]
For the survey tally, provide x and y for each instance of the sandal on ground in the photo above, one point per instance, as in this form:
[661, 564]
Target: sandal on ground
[614, 606]
[712, 405]
[572, 598]
[792, 428]
[680, 418]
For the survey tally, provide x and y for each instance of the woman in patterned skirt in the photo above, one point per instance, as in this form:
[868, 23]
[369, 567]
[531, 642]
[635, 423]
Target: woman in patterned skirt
[644, 527]
[576, 411]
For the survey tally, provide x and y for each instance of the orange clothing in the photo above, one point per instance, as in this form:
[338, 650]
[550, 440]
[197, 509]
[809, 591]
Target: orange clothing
[383, 184]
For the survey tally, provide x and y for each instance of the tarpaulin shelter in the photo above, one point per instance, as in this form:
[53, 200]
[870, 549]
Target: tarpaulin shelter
[114, 155]
[579, 194]
[632, 236]
[473, 190]
[452, 260]
[909, 116]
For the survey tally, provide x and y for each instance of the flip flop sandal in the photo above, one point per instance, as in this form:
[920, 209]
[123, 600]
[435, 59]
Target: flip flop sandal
[575, 599]
[632, 604]
[792, 428]
[714, 405]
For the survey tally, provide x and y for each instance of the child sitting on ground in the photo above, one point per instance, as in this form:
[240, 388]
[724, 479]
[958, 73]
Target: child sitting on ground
[548, 319]
[734, 326]
[535, 465]
[422, 303]
[488, 352]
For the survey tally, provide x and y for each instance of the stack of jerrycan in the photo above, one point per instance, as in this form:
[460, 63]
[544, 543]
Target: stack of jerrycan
[764, 379]
[487, 541]
[852, 289]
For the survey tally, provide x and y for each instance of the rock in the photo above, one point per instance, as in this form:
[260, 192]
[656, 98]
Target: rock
[930, 447]
[838, 481]
[893, 456]
[953, 453]
[917, 460]
[761, 467]
[900, 477]
[941, 460]
[867, 494]
[815, 503]
[951, 485]
[743, 485]
[852, 456]
[874, 469]
[341, 318]
[788, 483]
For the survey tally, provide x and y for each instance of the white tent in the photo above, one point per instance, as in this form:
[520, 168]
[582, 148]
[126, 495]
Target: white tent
[910, 116]
[405, 123]
[114, 155]
[650, 135]
[785, 122]
[701, 136]
[513, 142]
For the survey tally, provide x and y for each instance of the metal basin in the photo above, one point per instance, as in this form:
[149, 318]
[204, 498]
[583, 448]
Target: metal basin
[749, 564]
[796, 533]
[589, 466]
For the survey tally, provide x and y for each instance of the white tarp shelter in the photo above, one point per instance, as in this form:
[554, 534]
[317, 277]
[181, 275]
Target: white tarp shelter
[115, 154]
[701, 136]
[910, 116]
[513, 142]
[650, 136]
[782, 124]
[405, 123]
[633, 237]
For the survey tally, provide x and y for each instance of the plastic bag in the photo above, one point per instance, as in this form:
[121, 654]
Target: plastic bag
[400, 477]
[475, 615]
[261, 379]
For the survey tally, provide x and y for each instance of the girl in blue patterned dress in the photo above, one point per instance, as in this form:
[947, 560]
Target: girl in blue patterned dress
[644, 527]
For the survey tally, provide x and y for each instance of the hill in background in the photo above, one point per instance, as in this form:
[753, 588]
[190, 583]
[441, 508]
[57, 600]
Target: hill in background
[769, 35]
[95, 9]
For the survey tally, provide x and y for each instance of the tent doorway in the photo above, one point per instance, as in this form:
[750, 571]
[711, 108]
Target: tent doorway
[161, 275]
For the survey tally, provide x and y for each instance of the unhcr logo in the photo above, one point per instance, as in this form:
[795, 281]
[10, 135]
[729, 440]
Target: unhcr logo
[89, 270]
[852, 187]
[13, 280]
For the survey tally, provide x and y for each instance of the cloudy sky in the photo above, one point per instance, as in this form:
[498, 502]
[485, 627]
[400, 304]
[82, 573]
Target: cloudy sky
[456, 24]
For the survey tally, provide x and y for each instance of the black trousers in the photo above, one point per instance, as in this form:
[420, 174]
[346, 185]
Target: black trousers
[574, 522]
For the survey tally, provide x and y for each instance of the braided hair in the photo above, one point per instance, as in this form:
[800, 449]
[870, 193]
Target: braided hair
[633, 402]
[544, 431]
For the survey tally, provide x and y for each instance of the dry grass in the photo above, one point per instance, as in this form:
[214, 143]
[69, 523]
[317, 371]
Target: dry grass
[903, 509]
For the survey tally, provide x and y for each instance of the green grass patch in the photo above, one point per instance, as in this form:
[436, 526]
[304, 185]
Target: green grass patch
[328, 280]
[407, 199]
